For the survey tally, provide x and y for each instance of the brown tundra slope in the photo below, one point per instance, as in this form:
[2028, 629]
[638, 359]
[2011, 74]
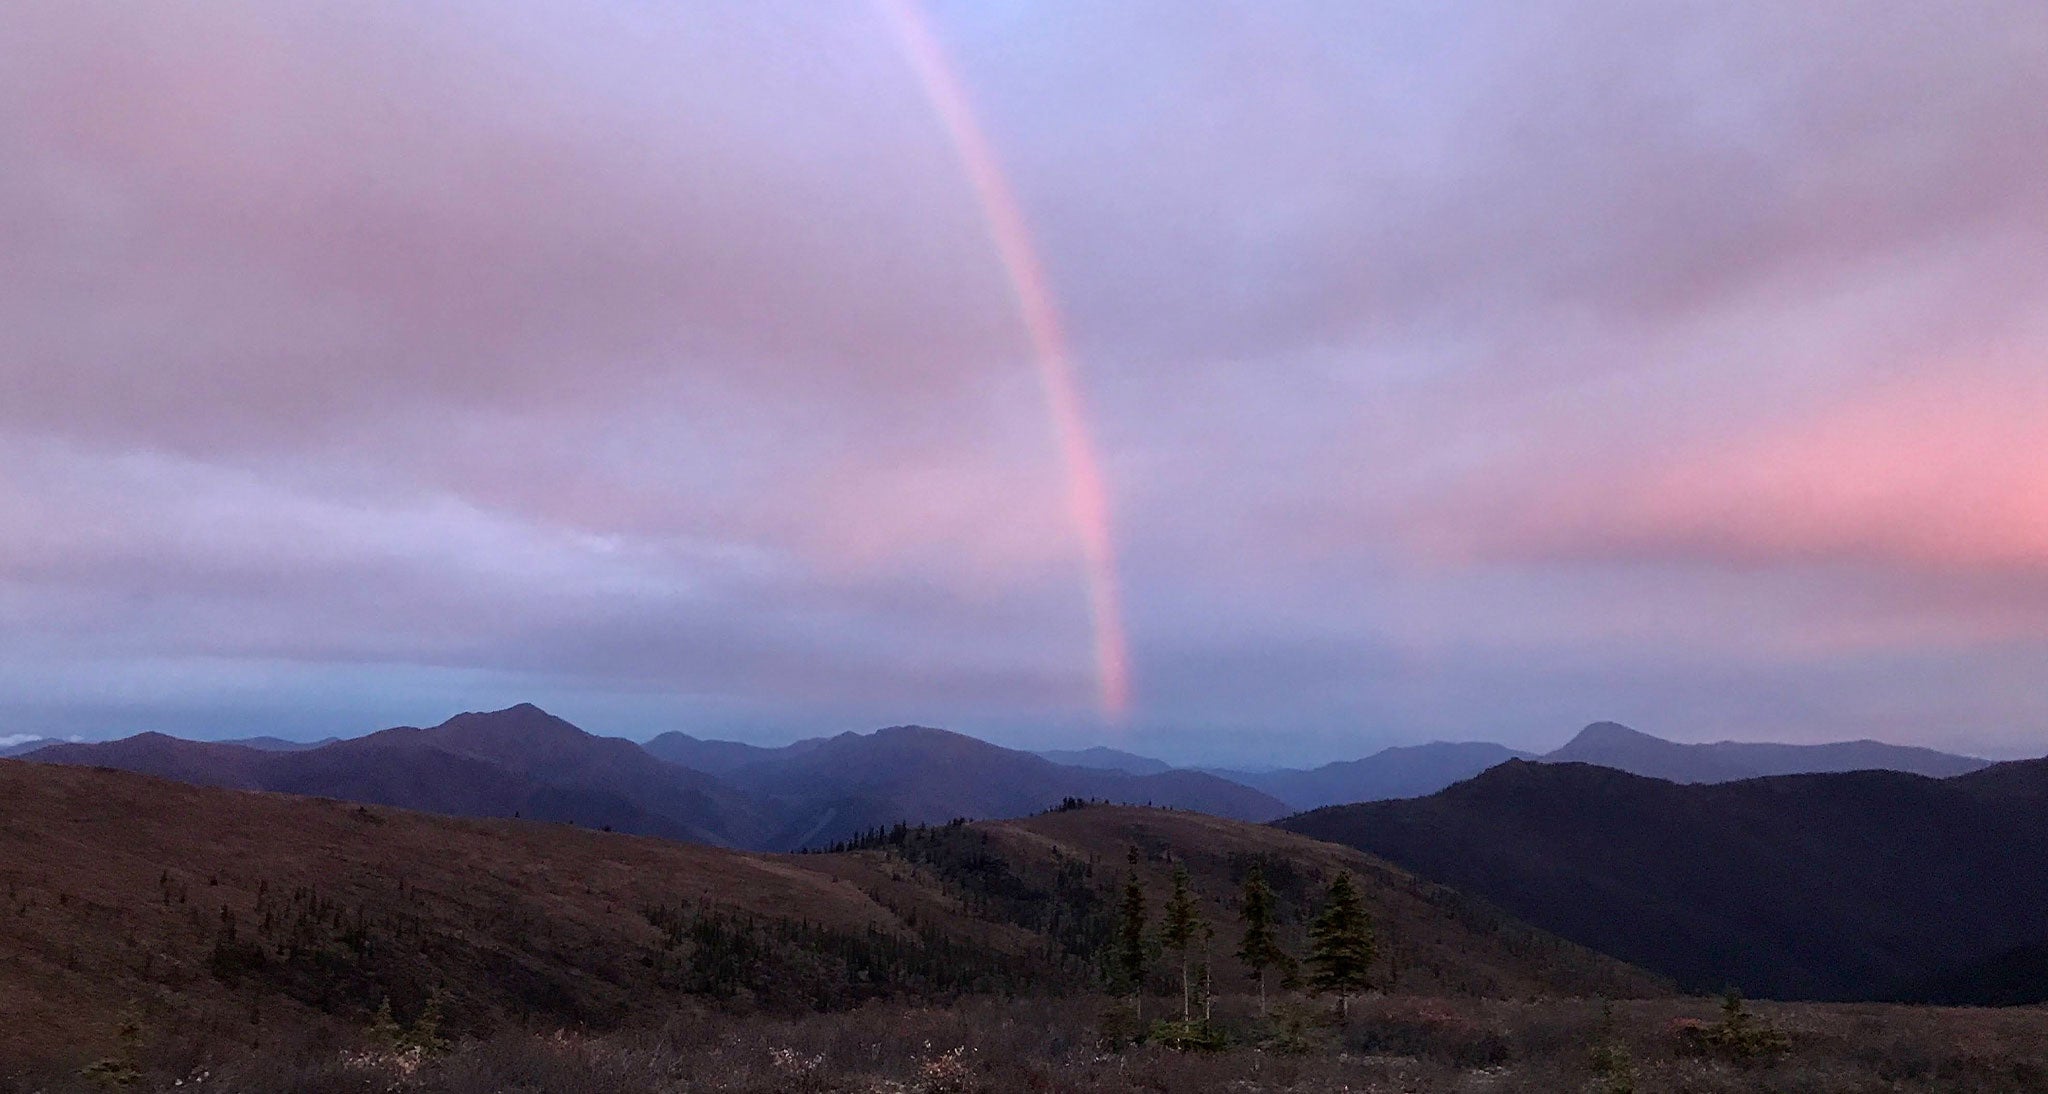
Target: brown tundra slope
[226, 919]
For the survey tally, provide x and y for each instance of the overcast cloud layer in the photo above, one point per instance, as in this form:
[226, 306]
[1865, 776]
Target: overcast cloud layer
[1467, 370]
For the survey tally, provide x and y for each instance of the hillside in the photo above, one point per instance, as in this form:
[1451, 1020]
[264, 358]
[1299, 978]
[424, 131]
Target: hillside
[260, 917]
[1436, 940]
[1844, 886]
[1610, 744]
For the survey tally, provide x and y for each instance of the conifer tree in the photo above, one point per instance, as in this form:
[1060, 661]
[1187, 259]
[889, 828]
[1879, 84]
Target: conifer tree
[385, 1031]
[1341, 944]
[1130, 932]
[1260, 949]
[1180, 930]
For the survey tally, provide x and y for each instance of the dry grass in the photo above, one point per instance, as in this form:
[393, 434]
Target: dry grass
[1402, 1043]
[114, 891]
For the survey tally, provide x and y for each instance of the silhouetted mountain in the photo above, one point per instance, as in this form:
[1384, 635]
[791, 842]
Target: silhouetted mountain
[1848, 885]
[26, 745]
[1611, 744]
[1107, 759]
[1408, 771]
[516, 762]
[846, 784]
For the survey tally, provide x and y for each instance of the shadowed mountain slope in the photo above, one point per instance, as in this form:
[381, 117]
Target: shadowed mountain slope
[1408, 771]
[524, 762]
[855, 781]
[520, 761]
[1107, 759]
[279, 744]
[219, 916]
[1848, 885]
[718, 757]
[1610, 744]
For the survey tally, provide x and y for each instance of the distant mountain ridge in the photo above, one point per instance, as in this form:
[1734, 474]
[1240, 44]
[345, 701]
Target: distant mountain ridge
[1404, 771]
[847, 784]
[520, 761]
[524, 762]
[783, 797]
[1107, 759]
[1845, 885]
[1611, 744]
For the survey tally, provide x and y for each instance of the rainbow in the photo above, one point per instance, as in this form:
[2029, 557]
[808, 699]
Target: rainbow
[1087, 495]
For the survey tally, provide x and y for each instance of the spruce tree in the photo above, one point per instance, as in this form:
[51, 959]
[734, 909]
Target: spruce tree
[1179, 932]
[1130, 932]
[1260, 949]
[1341, 944]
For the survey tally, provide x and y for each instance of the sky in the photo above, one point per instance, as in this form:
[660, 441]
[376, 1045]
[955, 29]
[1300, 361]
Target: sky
[1448, 370]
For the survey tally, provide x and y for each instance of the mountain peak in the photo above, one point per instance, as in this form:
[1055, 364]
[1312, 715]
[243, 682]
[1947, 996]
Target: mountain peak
[524, 724]
[1611, 733]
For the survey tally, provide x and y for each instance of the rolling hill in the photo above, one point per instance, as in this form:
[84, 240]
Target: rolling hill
[259, 918]
[1856, 885]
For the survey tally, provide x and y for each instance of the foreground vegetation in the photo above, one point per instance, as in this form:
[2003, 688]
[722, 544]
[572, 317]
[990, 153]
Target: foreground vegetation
[256, 921]
[1387, 1043]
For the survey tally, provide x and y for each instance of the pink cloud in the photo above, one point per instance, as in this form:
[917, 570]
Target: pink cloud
[1942, 472]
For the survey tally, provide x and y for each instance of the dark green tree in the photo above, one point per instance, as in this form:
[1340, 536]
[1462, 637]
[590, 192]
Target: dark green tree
[385, 1031]
[1260, 948]
[1179, 931]
[1341, 945]
[1130, 932]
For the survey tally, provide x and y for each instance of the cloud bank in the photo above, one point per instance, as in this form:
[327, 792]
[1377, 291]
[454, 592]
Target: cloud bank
[1471, 369]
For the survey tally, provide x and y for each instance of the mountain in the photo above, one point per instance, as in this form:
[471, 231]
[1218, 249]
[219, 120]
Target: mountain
[23, 744]
[520, 761]
[1610, 744]
[1409, 771]
[1853, 885]
[269, 918]
[1107, 759]
[841, 786]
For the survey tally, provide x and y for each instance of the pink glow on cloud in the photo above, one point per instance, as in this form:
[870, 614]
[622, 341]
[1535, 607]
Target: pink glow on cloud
[1943, 474]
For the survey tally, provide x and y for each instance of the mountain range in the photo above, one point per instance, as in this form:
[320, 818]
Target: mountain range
[1850, 885]
[524, 762]
[1679, 858]
[1610, 744]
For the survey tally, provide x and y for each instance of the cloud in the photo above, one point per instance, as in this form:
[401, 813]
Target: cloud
[1466, 368]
